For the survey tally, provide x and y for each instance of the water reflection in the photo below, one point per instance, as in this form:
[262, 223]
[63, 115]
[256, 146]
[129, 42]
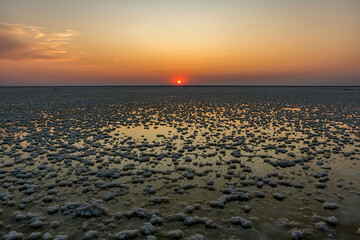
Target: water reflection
[189, 156]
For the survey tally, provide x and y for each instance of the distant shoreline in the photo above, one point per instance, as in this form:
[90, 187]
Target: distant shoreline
[176, 86]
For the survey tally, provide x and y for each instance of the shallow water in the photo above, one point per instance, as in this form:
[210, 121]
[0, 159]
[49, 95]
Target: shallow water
[192, 146]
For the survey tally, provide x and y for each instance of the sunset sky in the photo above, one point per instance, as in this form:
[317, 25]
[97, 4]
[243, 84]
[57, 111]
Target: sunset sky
[114, 42]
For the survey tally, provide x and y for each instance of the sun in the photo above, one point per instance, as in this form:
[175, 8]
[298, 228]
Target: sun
[178, 80]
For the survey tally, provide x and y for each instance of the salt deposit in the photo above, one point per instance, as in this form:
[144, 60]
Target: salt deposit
[179, 163]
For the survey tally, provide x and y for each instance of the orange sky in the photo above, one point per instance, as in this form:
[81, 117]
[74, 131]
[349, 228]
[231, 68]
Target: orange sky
[88, 42]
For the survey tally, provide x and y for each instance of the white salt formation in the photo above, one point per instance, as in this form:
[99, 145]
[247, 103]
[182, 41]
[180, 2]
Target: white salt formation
[179, 163]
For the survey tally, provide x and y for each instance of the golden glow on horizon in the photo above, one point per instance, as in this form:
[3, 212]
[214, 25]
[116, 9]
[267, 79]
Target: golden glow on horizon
[237, 42]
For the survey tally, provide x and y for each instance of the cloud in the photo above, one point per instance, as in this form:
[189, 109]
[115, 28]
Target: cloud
[24, 42]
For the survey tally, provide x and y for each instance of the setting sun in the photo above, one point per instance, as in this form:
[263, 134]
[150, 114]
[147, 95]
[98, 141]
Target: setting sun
[178, 80]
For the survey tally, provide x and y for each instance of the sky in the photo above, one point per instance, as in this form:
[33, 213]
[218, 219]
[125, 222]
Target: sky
[130, 42]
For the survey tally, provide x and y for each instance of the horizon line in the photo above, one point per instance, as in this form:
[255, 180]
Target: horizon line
[173, 85]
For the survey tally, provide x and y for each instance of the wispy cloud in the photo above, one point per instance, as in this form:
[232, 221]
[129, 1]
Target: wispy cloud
[24, 42]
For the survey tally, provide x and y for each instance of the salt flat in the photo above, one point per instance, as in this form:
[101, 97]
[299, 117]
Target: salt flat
[180, 163]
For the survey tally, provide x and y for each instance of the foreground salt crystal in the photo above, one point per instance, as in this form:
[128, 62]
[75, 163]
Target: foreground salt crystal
[197, 158]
